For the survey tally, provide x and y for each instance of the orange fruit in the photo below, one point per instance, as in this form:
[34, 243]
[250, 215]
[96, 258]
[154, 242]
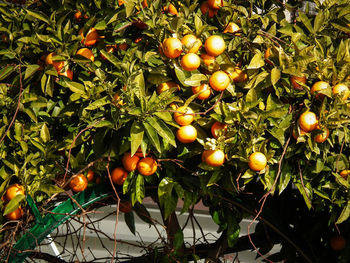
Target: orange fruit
[203, 90]
[91, 37]
[117, 100]
[119, 175]
[213, 157]
[267, 54]
[322, 137]
[147, 166]
[232, 28]
[257, 161]
[308, 121]
[337, 243]
[192, 43]
[206, 9]
[125, 206]
[218, 128]
[68, 73]
[186, 134]
[139, 153]
[58, 65]
[130, 162]
[166, 86]
[172, 47]
[137, 40]
[123, 46]
[207, 59]
[87, 53]
[219, 80]
[215, 4]
[345, 173]
[171, 9]
[184, 116]
[295, 132]
[15, 215]
[120, 2]
[319, 86]
[77, 15]
[14, 190]
[78, 183]
[238, 75]
[295, 79]
[90, 175]
[342, 90]
[215, 45]
[98, 180]
[190, 62]
[144, 3]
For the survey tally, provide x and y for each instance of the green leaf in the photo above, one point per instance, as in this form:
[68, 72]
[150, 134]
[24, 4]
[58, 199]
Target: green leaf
[111, 58]
[97, 104]
[275, 75]
[233, 230]
[182, 75]
[178, 239]
[45, 133]
[305, 20]
[39, 15]
[142, 213]
[6, 71]
[130, 221]
[50, 189]
[319, 20]
[162, 129]
[165, 188]
[31, 69]
[13, 204]
[345, 11]
[152, 136]
[140, 188]
[256, 62]
[215, 177]
[75, 87]
[344, 214]
[136, 134]
[195, 79]
[305, 193]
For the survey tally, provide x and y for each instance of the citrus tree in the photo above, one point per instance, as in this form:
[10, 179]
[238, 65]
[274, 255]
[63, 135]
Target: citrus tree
[242, 105]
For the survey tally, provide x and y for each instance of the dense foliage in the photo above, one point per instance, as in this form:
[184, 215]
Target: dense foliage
[54, 125]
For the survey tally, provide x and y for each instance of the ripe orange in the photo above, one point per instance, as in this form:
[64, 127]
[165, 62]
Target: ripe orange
[232, 28]
[137, 40]
[119, 175]
[219, 81]
[267, 55]
[192, 43]
[337, 243]
[90, 175]
[238, 75]
[147, 166]
[308, 121]
[87, 53]
[130, 162]
[166, 86]
[218, 128]
[77, 15]
[322, 137]
[125, 206]
[13, 190]
[172, 47]
[206, 9]
[15, 215]
[295, 132]
[341, 90]
[78, 183]
[257, 161]
[207, 59]
[213, 157]
[123, 46]
[144, 3]
[171, 9]
[345, 173]
[68, 73]
[120, 2]
[91, 37]
[186, 134]
[215, 4]
[319, 86]
[109, 49]
[58, 65]
[215, 45]
[203, 90]
[184, 116]
[295, 79]
[139, 153]
[190, 62]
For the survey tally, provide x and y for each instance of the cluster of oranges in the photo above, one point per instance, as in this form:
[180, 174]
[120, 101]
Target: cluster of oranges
[79, 182]
[145, 165]
[11, 192]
